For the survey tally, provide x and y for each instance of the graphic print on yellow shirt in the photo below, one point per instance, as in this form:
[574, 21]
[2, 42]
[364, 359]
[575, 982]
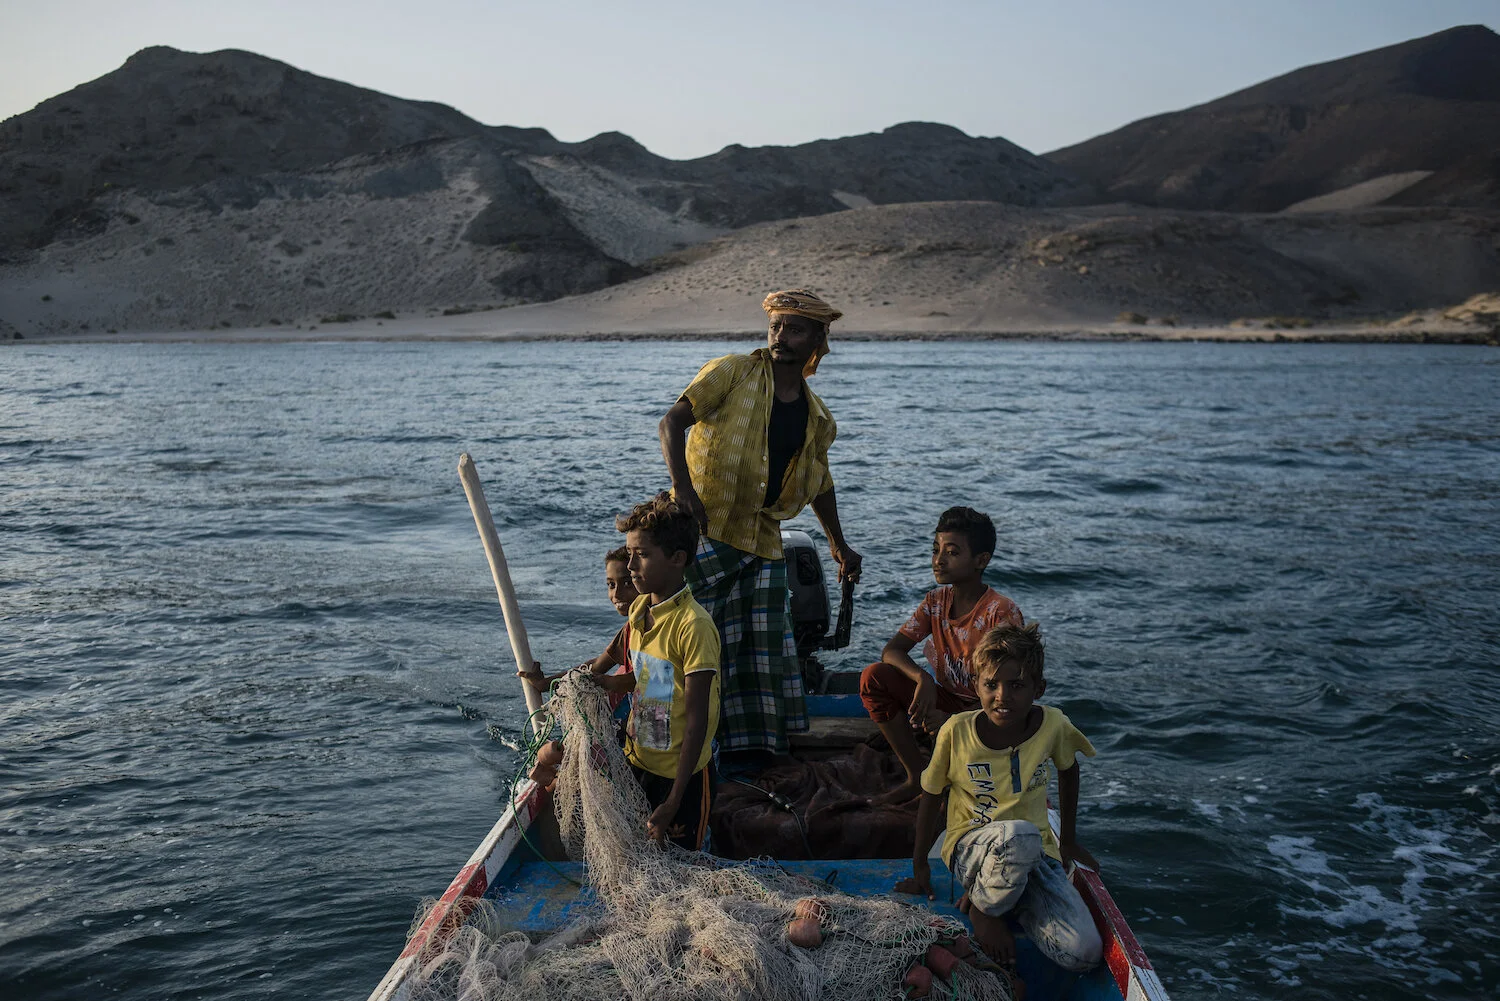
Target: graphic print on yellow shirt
[682, 640]
[651, 720]
[985, 785]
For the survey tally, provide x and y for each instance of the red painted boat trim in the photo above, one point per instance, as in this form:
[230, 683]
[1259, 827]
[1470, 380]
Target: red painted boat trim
[1127, 961]
[444, 916]
[458, 901]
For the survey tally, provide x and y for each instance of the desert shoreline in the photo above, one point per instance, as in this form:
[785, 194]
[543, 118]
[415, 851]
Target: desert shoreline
[444, 330]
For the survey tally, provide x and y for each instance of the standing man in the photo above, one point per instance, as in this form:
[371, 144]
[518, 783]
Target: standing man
[756, 454]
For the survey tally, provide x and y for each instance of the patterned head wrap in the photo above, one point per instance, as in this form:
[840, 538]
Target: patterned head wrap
[801, 302]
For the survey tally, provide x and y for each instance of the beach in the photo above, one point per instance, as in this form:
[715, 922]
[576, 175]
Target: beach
[565, 322]
[976, 270]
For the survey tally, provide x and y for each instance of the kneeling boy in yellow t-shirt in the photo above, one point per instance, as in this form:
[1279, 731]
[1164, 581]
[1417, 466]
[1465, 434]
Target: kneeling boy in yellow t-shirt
[673, 656]
[992, 762]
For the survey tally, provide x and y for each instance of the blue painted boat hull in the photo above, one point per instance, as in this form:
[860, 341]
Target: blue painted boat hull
[537, 896]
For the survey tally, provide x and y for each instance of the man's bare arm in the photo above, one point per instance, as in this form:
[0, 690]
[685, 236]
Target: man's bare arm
[673, 434]
[826, 507]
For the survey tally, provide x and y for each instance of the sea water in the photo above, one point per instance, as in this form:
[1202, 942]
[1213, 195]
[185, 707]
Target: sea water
[256, 699]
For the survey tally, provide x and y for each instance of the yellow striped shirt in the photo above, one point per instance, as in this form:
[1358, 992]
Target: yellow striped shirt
[728, 457]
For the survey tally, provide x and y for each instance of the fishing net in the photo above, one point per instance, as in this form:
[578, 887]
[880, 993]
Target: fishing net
[816, 809]
[667, 924]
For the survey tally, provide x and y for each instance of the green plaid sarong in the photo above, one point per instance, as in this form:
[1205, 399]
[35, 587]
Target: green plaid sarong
[760, 680]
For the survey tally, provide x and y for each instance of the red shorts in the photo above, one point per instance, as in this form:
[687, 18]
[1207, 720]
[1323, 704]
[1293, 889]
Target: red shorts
[886, 692]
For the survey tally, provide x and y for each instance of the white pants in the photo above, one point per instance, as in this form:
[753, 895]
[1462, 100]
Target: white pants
[1002, 868]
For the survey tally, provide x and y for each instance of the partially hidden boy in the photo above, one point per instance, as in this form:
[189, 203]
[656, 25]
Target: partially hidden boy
[897, 693]
[992, 764]
[622, 594]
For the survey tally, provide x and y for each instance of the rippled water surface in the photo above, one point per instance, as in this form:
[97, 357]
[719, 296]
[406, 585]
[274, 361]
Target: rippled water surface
[256, 700]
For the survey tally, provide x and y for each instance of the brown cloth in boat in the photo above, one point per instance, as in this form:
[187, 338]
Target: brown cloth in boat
[802, 302]
[830, 796]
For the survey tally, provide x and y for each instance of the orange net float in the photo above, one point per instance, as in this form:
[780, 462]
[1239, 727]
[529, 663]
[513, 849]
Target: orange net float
[918, 982]
[805, 930]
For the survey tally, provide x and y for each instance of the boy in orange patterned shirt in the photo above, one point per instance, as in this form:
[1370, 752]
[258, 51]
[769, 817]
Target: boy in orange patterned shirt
[898, 694]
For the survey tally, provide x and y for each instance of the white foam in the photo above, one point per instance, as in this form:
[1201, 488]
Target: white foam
[1300, 855]
[1203, 976]
[1209, 810]
[1423, 851]
[1360, 904]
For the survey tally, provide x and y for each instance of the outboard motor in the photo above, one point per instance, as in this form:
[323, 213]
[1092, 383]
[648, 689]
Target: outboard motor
[811, 612]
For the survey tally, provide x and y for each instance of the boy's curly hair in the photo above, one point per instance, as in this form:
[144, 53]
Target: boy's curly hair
[664, 522]
[617, 555]
[973, 525]
[1020, 645]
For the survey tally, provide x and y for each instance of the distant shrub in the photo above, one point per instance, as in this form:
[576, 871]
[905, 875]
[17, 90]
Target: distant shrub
[1129, 317]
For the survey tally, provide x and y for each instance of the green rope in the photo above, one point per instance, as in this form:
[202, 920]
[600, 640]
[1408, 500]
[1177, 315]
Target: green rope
[535, 739]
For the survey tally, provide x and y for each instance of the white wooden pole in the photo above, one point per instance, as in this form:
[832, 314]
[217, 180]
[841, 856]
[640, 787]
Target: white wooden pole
[519, 646]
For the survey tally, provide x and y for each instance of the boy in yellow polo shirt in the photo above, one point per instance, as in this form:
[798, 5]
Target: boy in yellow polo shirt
[673, 656]
[992, 763]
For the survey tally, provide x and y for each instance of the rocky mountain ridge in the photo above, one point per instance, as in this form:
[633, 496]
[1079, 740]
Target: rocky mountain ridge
[169, 120]
[1430, 104]
[227, 189]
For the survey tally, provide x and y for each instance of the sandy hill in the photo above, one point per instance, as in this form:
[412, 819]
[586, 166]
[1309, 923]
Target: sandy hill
[915, 161]
[188, 191]
[935, 266]
[636, 205]
[192, 190]
[442, 222]
[1430, 104]
[1474, 180]
[168, 120]
[982, 266]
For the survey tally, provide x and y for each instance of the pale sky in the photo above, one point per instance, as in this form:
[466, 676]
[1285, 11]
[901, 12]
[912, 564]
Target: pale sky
[687, 78]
